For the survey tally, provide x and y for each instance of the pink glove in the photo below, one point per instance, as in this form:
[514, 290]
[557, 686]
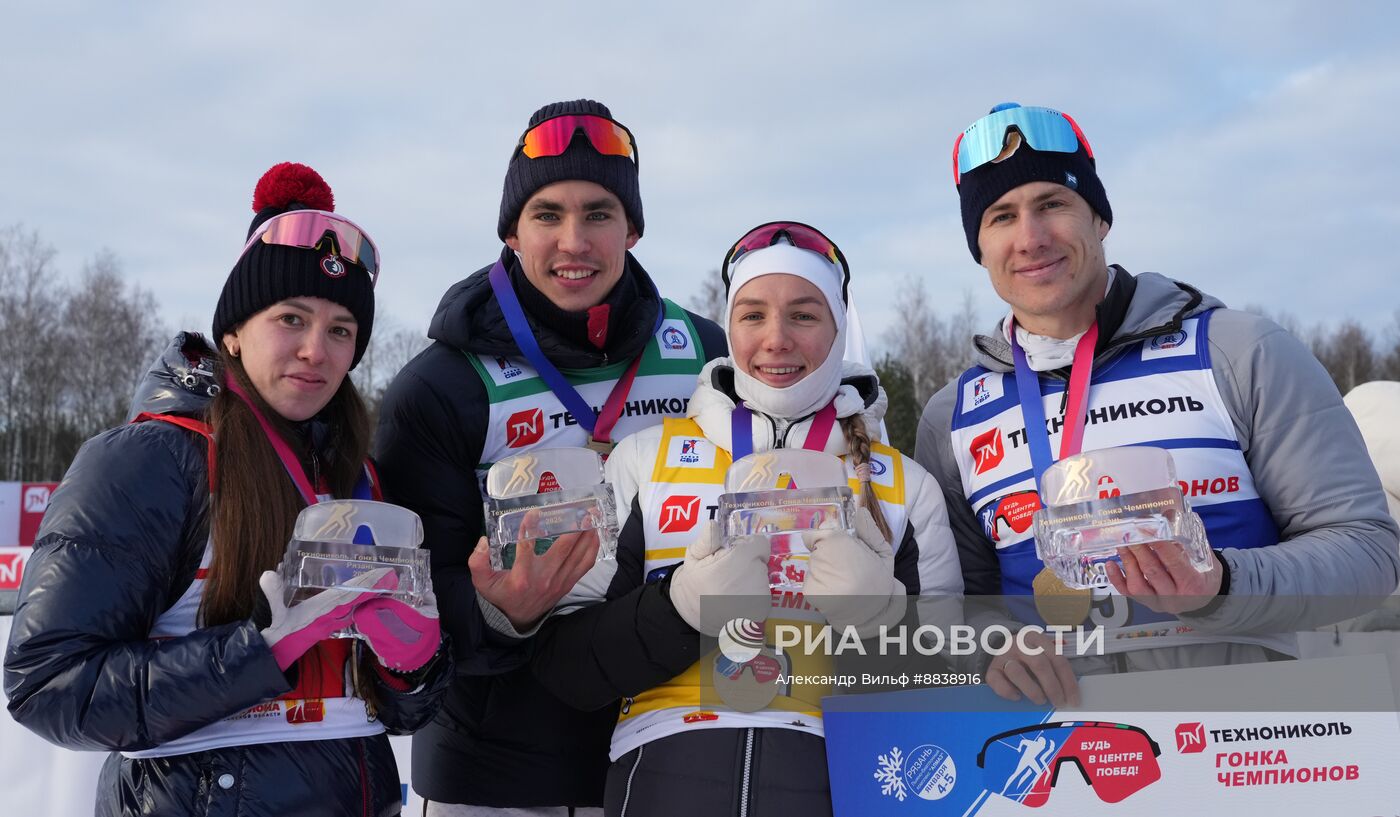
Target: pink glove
[402, 636]
[294, 630]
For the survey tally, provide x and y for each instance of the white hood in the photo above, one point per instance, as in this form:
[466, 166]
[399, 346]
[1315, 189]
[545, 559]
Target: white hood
[711, 408]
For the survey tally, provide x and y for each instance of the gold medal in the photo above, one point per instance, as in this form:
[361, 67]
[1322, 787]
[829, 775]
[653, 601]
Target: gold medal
[603, 447]
[750, 686]
[1057, 602]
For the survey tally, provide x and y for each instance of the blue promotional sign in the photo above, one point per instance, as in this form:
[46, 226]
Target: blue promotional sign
[1205, 745]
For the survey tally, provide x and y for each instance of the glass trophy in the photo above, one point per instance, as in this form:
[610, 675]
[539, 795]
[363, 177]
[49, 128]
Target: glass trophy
[544, 494]
[1099, 501]
[779, 494]
[337, 541]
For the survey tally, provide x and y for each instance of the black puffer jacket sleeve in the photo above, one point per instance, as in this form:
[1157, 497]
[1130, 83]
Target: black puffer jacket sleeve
[428, 444]
[406, 711]
[115, 550]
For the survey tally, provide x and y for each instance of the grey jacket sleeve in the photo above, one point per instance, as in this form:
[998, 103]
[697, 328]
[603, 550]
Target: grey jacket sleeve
[977, 556]
[1311, 469]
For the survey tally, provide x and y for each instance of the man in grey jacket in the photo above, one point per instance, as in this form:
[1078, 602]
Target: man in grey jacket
[1265, 451]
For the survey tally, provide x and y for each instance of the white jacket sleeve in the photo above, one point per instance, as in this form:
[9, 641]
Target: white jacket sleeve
[622, 471]
[932, 564]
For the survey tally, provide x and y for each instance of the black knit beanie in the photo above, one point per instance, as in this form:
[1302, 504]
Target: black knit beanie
[982, 186]
[268, 273]
[618, 174]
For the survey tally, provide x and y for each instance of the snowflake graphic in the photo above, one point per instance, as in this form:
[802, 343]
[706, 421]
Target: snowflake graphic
[889, 774]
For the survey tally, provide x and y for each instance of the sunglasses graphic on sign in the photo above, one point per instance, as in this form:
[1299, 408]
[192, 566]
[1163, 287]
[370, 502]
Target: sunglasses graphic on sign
[1015, 511]
[1115, 759]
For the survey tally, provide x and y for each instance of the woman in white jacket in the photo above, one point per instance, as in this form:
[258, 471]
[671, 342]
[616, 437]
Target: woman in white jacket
[632, 632]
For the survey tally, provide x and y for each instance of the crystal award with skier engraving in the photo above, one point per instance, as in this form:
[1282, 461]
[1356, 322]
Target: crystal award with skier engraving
[1099, 501]
[779, 494]
[546, 493]
[335, 543]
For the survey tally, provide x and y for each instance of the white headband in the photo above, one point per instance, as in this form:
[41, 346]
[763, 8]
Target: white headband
[785, 258]
[819, 387]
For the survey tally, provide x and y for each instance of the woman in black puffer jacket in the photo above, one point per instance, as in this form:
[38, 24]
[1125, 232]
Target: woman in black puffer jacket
[148, 623]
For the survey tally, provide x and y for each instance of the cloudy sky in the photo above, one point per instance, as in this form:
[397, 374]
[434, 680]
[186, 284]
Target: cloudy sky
[1242, 144]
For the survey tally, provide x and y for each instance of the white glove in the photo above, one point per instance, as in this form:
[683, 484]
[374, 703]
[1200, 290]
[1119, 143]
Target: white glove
[294, 630]
[851, 580]
[736, 579]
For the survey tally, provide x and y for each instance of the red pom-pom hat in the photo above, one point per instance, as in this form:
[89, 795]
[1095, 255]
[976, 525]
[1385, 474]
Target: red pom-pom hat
[290, 182]
[266, 274]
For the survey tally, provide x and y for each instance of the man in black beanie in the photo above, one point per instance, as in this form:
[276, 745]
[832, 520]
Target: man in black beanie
[531, 352]
[1253, 422]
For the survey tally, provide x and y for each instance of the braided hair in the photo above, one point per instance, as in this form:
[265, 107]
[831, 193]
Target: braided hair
[858, 439]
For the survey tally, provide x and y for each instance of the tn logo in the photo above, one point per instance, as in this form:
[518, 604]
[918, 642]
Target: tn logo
[524, 428]
[987, 450]
[36, 499]
[679, 514]
[1190, 737]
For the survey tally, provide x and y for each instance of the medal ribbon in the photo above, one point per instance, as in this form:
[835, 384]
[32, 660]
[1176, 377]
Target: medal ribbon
[1033, 403]
[284, 451]
[599, 425]
[364, 487]
[741, 430]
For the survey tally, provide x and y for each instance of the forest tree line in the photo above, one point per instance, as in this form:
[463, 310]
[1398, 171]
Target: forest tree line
[72, 351]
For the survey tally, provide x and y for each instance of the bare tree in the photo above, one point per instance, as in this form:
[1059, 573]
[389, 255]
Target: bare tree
[30, 377]
[391, 346]
[932, 349]
[923, 351]
[1349, 352]
[1390, 351]
[1348, 355]
[110, 332]
[709, 301]
[68, 357]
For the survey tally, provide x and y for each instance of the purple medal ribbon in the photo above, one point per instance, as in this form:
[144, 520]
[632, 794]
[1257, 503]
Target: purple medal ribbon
[741, 430]
[530, 347]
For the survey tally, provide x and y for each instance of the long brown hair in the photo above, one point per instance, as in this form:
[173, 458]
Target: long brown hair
[255, 504]
[858, 442]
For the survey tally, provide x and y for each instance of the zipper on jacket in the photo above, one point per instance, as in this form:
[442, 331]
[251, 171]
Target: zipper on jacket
[627, 792]
[364, 778]
[782, 443]
[773, 424]
[748, 772]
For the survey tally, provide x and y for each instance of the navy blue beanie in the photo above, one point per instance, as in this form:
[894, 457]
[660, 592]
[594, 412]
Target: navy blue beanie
[617, 174]
[980, 187]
